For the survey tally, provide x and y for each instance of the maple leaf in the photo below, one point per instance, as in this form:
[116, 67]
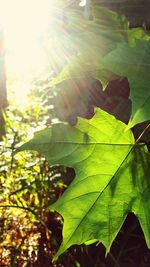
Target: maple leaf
[133, 63]
[112, 177]
[78, 97]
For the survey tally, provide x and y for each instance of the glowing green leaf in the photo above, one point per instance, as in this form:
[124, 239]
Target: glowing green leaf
[112, 178]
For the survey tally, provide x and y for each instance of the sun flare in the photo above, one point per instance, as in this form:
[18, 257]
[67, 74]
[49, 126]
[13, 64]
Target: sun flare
[25, 24]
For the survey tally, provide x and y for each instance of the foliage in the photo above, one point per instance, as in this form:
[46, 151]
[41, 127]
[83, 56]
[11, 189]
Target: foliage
[127, 56]
[27, 186]
[111, 165]
[89, 204]
[133, 62]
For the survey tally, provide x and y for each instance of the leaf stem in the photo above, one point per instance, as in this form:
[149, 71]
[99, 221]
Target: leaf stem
[144, 131]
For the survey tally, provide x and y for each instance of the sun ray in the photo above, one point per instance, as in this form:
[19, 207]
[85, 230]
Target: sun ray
[25, 24]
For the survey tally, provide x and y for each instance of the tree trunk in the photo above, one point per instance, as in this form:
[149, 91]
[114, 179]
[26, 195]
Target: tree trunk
[3, 90]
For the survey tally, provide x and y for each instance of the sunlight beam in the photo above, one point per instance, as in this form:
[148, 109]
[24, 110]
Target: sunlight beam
[24, 24]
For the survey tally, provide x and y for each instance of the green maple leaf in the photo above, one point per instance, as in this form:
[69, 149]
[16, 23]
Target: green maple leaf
[133, 63]
[106, 46]
[112, 177]
[92, 40]
[95, 39]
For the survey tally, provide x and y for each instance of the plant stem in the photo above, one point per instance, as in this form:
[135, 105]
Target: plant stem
[144, 131]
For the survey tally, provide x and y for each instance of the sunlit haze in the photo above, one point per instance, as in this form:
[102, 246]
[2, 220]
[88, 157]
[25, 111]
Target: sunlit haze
[25, 24]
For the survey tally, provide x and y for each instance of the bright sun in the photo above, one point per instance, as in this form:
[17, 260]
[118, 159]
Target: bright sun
[25, 22]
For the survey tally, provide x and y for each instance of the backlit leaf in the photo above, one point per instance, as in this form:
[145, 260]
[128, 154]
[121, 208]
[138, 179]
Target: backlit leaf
[112, 178]
[133, 63]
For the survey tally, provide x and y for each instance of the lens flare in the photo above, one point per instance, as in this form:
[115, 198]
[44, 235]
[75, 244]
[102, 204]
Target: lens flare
[26, 24]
